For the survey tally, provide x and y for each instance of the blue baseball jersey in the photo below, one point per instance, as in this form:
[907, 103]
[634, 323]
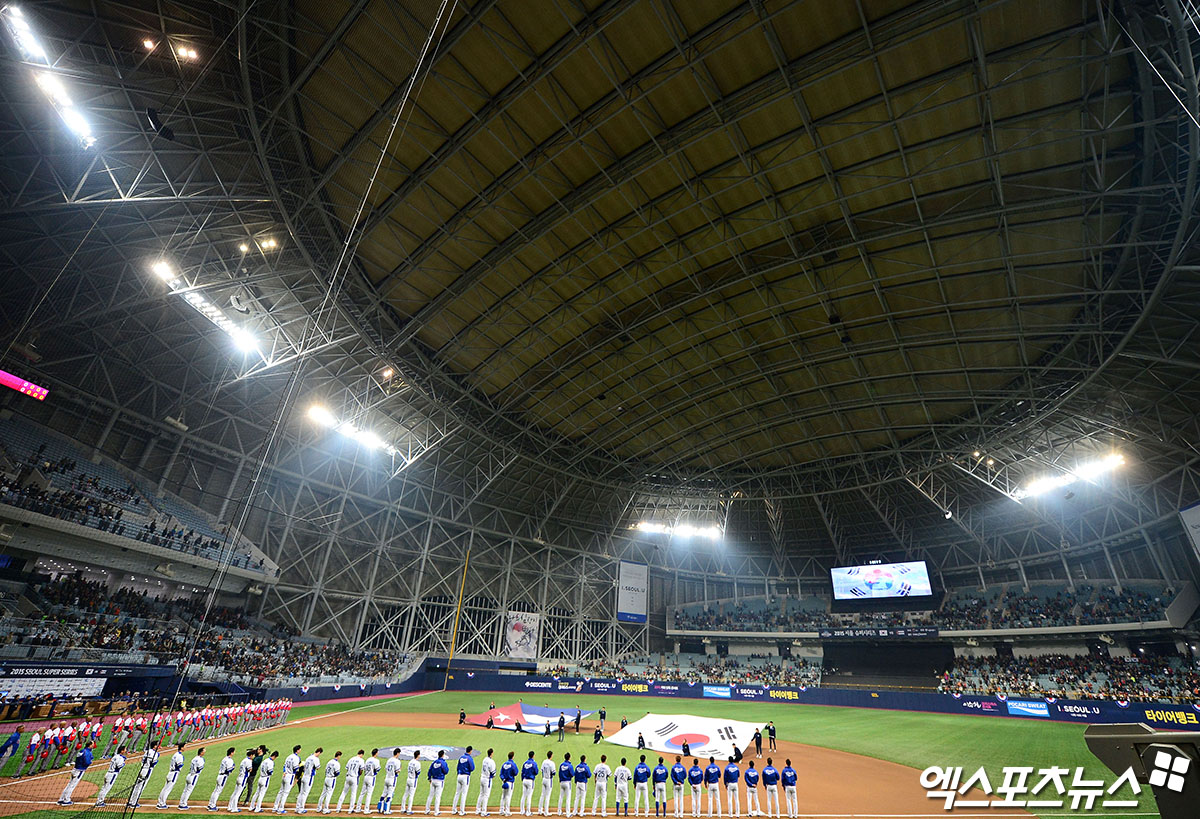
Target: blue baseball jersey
[732, 774]
[466, 765]
[770, 776]
[566, 771]
[678, 774]
[641, 773]
[529, 770]
[695, 775]
[508, 774]
[582, 772]
[752, 777]
[789, 776]
[712, 774]
[660, 773]
[437, 769]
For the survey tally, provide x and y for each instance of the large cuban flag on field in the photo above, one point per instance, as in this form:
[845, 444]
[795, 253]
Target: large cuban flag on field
[533, 718]
[705, 736]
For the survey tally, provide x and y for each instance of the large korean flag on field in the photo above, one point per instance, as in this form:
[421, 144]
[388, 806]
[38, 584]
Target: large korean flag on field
[704, 735]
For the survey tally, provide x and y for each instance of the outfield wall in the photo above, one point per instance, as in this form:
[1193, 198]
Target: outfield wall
[1082, 711]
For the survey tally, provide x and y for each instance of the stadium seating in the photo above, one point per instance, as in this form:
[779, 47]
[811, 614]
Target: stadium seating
[97, 495]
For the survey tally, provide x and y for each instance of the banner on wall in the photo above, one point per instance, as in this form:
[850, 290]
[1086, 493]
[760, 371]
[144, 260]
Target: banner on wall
[633, 579]
[1190, 518]
[521, 634]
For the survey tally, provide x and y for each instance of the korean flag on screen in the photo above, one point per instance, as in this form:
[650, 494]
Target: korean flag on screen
[881, 580]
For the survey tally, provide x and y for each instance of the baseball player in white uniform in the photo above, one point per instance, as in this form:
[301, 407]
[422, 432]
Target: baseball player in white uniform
[333, 769]
[601, 773]
[228, 763]
[391, 776]
[622, 776]
[265, 769]
[176, 765]
[110, 776]
[354, 767]
[149, 760]
[308, 775]
[371, 766]
[548, 771]
[193, 776]
[411, 779]
[291, 769]
[487, 772]
[243, 779]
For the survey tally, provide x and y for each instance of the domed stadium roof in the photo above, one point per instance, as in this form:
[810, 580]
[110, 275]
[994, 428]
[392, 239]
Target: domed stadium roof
[576, 261]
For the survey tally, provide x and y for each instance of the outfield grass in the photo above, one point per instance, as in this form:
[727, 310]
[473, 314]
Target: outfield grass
[912, 739]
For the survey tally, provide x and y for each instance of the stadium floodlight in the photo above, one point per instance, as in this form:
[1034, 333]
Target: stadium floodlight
[1089, 471]
[679, 530]
[322, 416]
[364, 437]
[164, 271]
[23, 36]
[54, 89]
[244, 339]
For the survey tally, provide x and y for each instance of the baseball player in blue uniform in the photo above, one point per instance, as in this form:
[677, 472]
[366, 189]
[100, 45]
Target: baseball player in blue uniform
[712, 779]
[770, 780]
[731, 776]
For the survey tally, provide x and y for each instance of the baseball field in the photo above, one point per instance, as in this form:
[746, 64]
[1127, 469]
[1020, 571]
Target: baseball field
[851, 762]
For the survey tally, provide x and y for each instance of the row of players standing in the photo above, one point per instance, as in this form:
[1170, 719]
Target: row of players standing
[57, 744]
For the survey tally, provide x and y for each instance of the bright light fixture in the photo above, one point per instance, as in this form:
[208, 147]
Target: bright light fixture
[163, 270]
[191, 53]
[365, 437]
[22, 34]
[54, 89]
[182, 51]
[680, 530]
[148, 44]
[1088, 471]
[244, 248]
[244, 339]
[387, 373]
[322, 416]
[991, 461]
[268, 244]
[975, 454]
